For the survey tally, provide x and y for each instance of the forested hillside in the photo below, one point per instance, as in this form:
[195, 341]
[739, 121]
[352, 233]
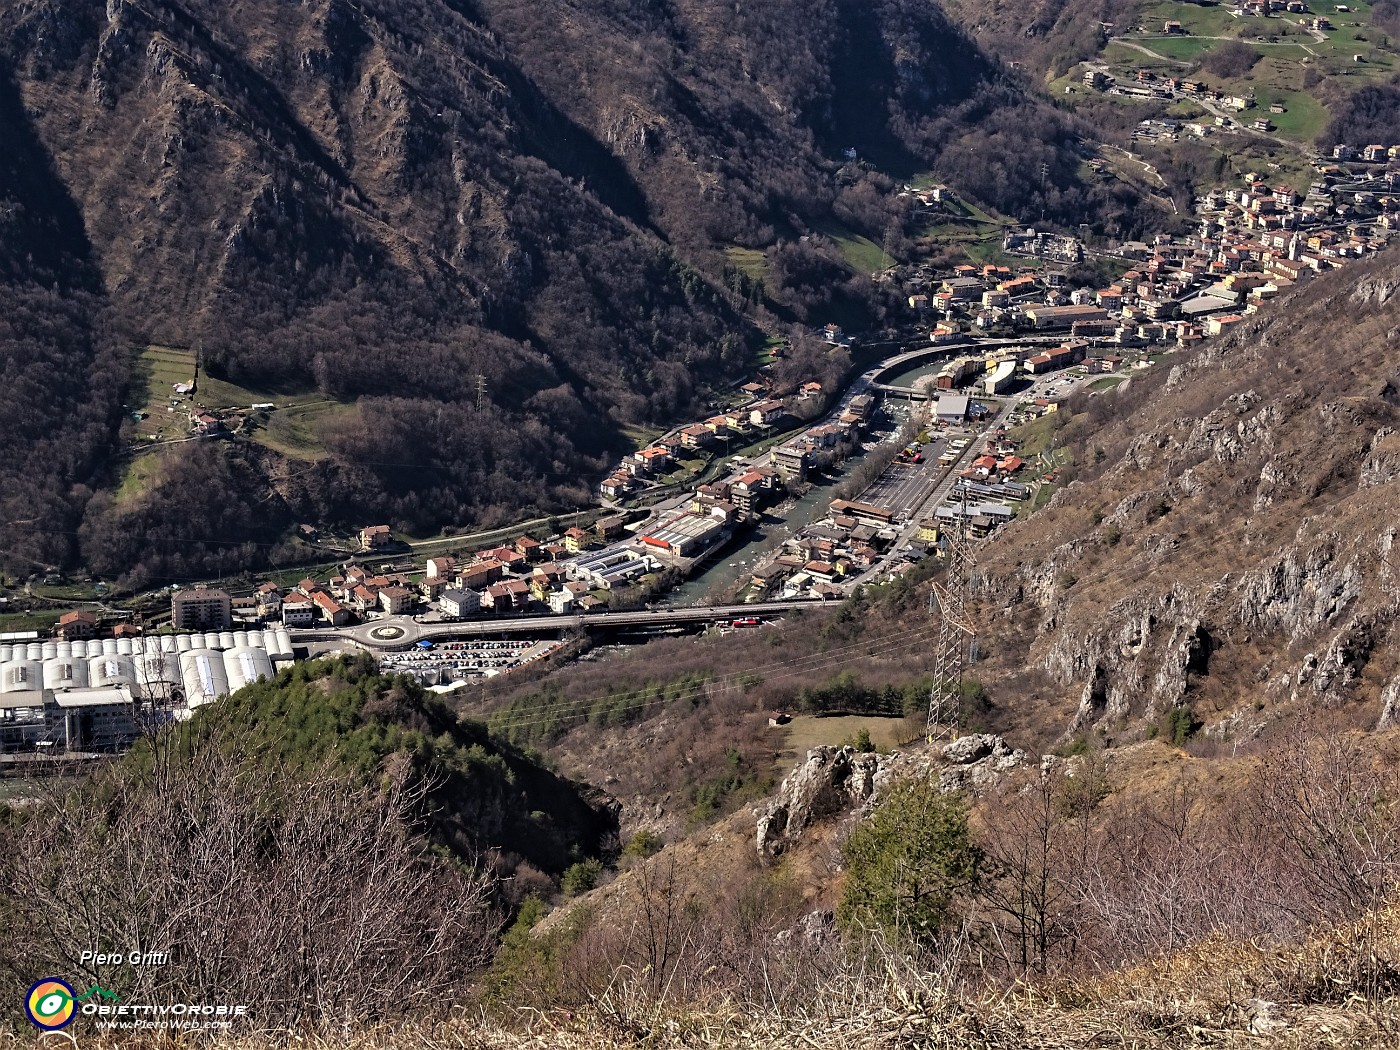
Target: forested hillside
[329, 844]
[391, 206]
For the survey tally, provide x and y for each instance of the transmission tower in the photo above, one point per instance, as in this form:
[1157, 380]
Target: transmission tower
[956, 644]
[887, 256]
[480, 392]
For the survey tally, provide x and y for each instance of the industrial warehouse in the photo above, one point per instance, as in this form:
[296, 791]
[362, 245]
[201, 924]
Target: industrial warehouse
[96, 695]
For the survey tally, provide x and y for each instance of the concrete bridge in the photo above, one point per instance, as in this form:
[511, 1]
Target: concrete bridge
[403, 632]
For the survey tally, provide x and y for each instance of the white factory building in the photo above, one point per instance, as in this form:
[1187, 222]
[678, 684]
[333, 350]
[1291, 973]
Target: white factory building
[93, 694]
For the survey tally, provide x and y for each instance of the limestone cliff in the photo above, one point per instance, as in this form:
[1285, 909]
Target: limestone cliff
[1228, 545]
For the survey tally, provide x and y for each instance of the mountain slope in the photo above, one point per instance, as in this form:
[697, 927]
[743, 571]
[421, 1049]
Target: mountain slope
[392, 206]
[1228, 547]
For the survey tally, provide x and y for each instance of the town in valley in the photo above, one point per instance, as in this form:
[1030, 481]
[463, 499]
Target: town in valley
[762, 511]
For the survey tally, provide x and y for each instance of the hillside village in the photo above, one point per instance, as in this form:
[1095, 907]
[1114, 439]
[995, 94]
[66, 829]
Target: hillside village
[1251, 242]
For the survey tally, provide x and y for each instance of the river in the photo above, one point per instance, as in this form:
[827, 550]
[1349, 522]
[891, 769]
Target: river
[737, 559]
[907, 379]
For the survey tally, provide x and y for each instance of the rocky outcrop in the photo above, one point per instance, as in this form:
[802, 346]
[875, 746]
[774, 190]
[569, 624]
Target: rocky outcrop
[972, 762]
[831, 781]
[835, 781]
[1390, 705]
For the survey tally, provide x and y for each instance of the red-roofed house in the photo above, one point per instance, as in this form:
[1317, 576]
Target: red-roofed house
[335, 613]
[76, 625]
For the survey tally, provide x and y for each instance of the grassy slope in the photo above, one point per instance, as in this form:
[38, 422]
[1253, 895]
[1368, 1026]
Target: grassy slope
[1288, 52]
[862, 254]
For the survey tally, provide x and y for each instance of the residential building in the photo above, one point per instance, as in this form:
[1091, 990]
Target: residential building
[459, 603]
[396, 600]
[269, 598]
[506, 596]
[791, 461]
[478, 575]
[611, 527]
[335, 613]
[766, 413]
[298, 612]
[75, 626]
[373, 537]
[200, 609]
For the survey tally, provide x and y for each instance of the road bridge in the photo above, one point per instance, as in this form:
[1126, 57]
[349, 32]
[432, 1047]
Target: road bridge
[402, 632]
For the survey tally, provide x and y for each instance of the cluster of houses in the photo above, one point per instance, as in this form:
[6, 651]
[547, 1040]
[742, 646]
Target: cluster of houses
[1252, 242]
[758, 414]
[354, 594]
[1148, 84]
[796, 456]
[1373, 154]
[979, 502]
[1265, 8]
[992, 297]
[816, 562]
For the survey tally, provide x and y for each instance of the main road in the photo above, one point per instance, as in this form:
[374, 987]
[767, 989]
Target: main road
[403, 632]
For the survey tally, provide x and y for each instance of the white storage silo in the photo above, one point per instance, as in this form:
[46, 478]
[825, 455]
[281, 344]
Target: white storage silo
[109, 671]
[19, 676]
[246, 665]
[204, 676]
[65, 673]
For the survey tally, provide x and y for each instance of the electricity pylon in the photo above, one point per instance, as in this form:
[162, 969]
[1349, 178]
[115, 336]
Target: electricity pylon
[956, 644]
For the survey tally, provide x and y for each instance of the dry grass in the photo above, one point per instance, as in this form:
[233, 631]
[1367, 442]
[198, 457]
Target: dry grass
[1221, 994]
[805, 732]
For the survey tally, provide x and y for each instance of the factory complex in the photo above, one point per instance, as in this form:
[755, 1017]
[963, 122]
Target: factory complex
[99, 694]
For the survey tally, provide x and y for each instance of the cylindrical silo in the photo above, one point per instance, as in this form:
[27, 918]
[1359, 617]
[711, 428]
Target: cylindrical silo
[246, 665]
[20, 676]
[107, 671]
[204, 676]
[65, 673]
[157, 675]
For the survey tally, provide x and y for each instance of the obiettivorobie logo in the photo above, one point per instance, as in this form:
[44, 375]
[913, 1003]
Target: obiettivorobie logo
[51, 1003]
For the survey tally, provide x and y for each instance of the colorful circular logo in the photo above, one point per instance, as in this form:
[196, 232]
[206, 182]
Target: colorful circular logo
[50, 1004]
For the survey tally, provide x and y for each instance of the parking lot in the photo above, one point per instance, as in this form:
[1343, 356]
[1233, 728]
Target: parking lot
[904, 486]
[448, 662]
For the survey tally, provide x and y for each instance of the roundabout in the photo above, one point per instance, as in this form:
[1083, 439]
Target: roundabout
[386, 633]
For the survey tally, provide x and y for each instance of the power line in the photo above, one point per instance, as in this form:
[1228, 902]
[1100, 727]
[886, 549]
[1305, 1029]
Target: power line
[571, 708]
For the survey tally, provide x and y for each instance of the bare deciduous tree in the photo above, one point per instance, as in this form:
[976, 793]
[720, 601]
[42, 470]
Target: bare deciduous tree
[306, 897]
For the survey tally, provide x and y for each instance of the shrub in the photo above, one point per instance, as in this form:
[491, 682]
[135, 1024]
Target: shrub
[1179, 724]
[909, 863]
[642, 845]
[581, 877]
